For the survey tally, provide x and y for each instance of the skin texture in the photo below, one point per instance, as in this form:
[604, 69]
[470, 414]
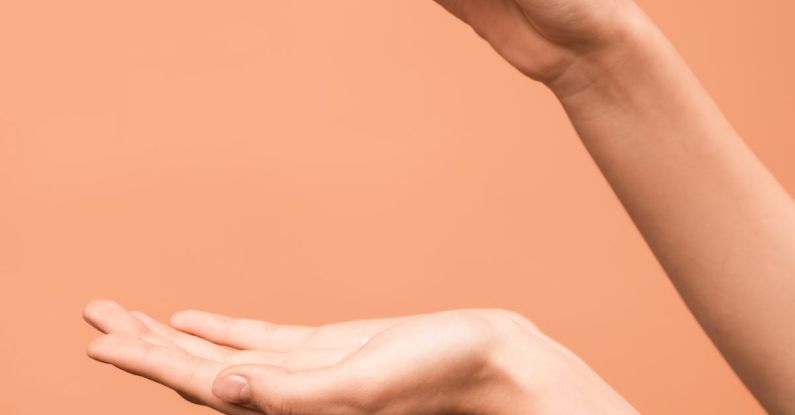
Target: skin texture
[719, 223]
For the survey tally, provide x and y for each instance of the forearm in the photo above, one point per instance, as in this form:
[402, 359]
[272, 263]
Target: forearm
[721, 226]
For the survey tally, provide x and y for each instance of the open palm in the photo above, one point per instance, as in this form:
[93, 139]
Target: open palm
[353, 367]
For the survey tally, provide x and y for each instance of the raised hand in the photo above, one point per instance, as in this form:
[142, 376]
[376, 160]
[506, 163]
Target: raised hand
[463, 362]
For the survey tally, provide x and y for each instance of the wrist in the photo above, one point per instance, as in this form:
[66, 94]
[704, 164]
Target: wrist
[537, 375]
[506, 366]
[617, 65]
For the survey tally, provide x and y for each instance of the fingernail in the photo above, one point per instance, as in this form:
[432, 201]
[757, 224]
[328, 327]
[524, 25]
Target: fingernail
[233, 388]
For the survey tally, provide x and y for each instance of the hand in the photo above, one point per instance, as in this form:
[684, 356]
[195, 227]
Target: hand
[546, 39]
[464, 362]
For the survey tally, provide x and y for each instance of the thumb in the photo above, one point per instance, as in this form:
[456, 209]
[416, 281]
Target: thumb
[277, 391]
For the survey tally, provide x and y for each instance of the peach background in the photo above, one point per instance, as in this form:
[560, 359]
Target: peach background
[326, 160]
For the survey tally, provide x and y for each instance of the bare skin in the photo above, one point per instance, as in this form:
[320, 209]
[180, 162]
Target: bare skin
[454, 362]
[719, 223]
[722, 227]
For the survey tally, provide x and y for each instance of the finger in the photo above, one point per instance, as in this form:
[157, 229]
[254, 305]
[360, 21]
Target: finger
[211, 351]
[241, 333]
[109, 317]
[276, 391]
[191, 344]
[188, 375]
[253, 334]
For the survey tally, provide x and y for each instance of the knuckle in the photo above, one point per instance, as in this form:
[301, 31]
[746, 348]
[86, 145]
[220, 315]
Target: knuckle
[267, 326]
[229, 329]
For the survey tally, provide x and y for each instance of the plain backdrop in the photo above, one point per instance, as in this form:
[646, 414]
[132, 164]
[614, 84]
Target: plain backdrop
[316, 161]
